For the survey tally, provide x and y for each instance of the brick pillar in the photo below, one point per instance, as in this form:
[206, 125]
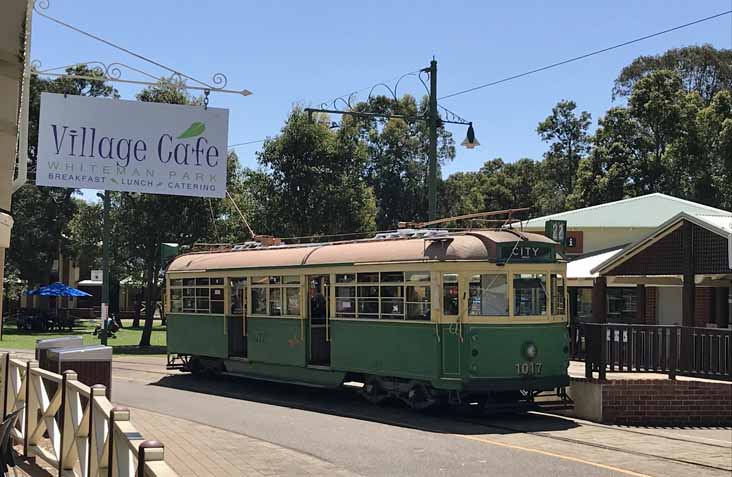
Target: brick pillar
[640, 305]
[599, 300]
[721, 306]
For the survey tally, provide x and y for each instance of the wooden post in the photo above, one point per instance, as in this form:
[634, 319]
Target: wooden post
[721, 308]
[31, 407]
[148, 450]
[602, 361]
[674, 353]
[640, 311]
[687, 268]
[599, 300]
[67, 428]
[6, 374]
[688, 292]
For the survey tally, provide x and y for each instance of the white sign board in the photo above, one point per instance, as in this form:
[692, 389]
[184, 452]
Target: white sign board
[96, 275]
[112, 144]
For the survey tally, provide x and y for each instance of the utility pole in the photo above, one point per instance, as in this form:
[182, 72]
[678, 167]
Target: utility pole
[432, 118]
[105, 266]
[432, 188]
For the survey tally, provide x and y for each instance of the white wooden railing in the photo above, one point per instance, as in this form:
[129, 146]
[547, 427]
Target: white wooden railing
[74, 427]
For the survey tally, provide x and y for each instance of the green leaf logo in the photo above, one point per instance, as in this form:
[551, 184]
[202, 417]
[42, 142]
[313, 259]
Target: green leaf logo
[195, 129]
[113, 180]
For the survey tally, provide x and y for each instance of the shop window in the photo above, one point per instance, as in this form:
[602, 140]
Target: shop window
[621, 305]
[584, 304]
[530, 294]
[558, 293]
[488, 295]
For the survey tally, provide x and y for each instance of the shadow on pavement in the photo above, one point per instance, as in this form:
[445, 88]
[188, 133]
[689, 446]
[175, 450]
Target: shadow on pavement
[346, 402]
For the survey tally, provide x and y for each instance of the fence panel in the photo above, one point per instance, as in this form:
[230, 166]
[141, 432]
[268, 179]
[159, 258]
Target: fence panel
[74, 427]
[672, 350]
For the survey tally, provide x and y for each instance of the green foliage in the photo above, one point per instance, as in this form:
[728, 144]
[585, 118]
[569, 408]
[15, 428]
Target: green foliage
[569, 142]
[397, 162]
[314, 182]
[702, 69]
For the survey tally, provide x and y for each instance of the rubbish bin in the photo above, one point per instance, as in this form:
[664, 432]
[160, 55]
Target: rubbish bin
[92, 364]
[42, 347]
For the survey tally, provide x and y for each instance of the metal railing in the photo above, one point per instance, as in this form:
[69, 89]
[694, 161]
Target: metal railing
[672, 350]
[74, 427]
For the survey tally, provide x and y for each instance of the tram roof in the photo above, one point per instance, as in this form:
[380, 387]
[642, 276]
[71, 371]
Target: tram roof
[473, 245]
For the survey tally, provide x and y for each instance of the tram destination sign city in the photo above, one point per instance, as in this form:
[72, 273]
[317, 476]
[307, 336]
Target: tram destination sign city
[132, 146]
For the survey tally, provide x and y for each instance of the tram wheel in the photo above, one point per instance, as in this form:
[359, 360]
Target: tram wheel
[374, 392]
[420, 397]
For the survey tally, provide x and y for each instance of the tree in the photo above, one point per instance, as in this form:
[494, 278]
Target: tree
[569, 142]
[398, 150]
[703, 69]
[44, 212]
[152, 219]
[314, 183]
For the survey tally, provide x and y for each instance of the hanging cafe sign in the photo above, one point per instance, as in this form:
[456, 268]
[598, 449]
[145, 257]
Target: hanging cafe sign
[132, 146]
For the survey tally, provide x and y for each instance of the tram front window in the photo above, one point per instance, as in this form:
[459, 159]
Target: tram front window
[530, 294]
[488, 295]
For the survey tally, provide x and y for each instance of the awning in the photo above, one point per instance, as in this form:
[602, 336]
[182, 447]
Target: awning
[90, 283]
[580, 268]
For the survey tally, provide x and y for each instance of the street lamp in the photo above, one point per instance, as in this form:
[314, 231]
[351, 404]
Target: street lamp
[432, 118]
[470, 141]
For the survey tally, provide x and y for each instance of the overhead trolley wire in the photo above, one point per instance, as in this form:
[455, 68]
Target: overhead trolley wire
[586, 55]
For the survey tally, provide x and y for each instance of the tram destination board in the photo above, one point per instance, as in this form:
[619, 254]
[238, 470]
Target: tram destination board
[526, 252]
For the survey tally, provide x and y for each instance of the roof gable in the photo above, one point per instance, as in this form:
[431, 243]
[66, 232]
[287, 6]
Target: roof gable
[667, 238]
[647, 211]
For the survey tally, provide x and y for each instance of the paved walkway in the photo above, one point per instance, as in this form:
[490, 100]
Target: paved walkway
[195, 450]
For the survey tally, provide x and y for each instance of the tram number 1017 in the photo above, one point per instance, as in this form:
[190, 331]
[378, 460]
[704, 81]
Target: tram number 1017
[528, 369]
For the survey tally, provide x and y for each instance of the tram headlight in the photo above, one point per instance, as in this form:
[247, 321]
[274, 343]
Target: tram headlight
[530, 351]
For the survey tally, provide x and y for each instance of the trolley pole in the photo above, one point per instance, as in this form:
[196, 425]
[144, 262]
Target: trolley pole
[105, 266]
[433, 142]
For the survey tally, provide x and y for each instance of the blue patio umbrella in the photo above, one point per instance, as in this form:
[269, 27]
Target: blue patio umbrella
[57, 289]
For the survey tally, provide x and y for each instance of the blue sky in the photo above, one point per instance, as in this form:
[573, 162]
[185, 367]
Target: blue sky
[290, 52]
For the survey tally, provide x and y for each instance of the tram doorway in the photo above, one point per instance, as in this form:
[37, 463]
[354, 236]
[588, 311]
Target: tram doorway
[238, 318]
[318, 309]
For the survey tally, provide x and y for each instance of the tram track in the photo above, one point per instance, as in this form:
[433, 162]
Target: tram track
[546, 435]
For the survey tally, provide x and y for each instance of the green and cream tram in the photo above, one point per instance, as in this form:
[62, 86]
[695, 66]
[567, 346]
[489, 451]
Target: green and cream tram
[425, 316]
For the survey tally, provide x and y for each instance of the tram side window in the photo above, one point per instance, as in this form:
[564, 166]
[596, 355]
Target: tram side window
[385, 295]
[488, 295]
[530, 294]
[276, 295]
[558, 307]
[237, 287]
[197, 295]
[450, 297]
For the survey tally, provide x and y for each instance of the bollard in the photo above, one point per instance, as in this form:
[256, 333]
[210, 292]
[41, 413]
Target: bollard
[155, 448]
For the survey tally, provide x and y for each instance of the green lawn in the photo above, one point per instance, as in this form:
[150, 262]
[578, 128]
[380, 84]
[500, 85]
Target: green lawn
[126, 341]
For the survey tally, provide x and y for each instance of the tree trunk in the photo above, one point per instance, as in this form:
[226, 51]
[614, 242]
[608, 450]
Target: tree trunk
[150, 300]
[138, 309]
